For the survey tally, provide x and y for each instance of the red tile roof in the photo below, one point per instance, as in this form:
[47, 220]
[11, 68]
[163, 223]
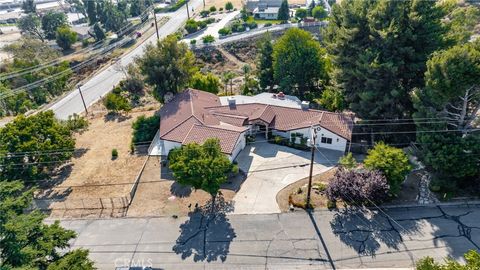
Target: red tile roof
[199, 134]
[194, 116]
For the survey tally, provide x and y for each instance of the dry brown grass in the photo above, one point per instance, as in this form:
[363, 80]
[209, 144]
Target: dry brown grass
[93, 174]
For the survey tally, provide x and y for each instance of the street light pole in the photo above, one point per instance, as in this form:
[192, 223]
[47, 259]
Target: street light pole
[156, 26]
[188, 12]
[81, 95]
[311, 168]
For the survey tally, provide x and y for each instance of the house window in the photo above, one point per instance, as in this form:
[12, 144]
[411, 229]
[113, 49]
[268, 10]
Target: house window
[326, 140]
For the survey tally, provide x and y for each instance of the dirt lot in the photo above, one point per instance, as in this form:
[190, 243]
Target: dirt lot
[92, 173]
[158, 195]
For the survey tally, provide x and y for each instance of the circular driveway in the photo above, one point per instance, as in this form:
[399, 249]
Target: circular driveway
[270, 168]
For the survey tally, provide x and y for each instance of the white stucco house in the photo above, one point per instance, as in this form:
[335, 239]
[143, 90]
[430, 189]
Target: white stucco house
[195, 116]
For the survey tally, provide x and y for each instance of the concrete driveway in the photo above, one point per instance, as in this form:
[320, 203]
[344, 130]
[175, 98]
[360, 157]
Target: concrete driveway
[269, 169]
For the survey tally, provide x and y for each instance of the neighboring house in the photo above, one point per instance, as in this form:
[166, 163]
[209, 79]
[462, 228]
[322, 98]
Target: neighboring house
[269, 13]
[82, 32]
[251, 5]
[195, 116]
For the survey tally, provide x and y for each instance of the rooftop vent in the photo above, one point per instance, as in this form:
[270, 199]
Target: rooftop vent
[281, 95]
[231, 101]
[305, 105]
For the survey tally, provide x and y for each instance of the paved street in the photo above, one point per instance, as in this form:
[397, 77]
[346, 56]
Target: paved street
[99, 85]
[324, 240]
[270, 168]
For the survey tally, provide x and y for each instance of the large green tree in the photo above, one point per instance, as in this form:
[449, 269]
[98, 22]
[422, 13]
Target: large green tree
[31, 147]
[460, 21]
[32, 25]
[91, 11]
[451, 96]
[168, 66]
[379, 51]
[284, 11]
[299, 63]
[203, 166]
[29, 6]
[26, 242]
[65, 37]
[52, 21]
[265, 64]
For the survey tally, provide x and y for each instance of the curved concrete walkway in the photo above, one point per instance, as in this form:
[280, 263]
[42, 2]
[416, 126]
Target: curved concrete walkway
[269, 169]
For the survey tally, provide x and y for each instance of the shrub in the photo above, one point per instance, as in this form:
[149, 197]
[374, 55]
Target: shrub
[220, 9]
[391, 161]
[191, 26]
[213, 9]
[229, 6]
[209, 20]
[85, 43]
[76, 123]
[145, 128]
[202, 24]
[193, 41]
[114, 153]
[252, 25]
[331, 204]
[65, 37]
[116, 102]
[320, 186]
[358, 187]
[277, 139]
[267, 25]
[235, 169]
[348, 162]
[238, 27]
[209, 83]
[204, 13]
[208, 39]
[225, 31]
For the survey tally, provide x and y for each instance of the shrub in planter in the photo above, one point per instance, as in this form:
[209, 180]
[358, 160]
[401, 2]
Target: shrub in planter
[204, 13]
[358, 187]
[213, 9]
[191, 26]
[209, 20]
[193, 41]
[201, 24]
[225, 31]
[277, 139]
[208, 39]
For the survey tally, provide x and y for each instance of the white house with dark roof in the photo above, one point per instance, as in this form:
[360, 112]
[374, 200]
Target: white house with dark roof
[195, 116]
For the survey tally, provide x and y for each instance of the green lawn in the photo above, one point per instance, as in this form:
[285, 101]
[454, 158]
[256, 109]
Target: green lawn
[260, 21]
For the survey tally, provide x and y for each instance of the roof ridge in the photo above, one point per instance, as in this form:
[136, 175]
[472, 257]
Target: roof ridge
[230, 115]
[188, 133]
[178, 125]
[218, 127]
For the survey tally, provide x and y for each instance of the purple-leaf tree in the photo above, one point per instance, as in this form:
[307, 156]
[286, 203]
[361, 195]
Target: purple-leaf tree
[358, 186]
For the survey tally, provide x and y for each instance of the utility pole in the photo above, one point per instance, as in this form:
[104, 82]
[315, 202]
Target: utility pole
[311, 167]
[188, 12]
[81, 95]
[156, 26]
[203, 4]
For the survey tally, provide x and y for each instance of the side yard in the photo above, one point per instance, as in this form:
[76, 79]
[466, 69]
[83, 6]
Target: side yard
[93, 178]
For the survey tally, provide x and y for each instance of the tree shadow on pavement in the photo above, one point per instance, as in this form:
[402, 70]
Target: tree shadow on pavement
[366, 230]
[205, 235]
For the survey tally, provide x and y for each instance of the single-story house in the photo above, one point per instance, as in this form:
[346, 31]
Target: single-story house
[195, 116]
[251, 5]
[266, 13]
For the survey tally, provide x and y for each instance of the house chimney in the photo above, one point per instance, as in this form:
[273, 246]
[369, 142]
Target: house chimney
[305, 105]
[231, 101]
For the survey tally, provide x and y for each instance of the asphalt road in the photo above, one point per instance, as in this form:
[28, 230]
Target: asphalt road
[323, 240]
[100, 84]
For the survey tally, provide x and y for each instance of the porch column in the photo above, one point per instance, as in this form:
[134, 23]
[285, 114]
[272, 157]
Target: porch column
[266, 132]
